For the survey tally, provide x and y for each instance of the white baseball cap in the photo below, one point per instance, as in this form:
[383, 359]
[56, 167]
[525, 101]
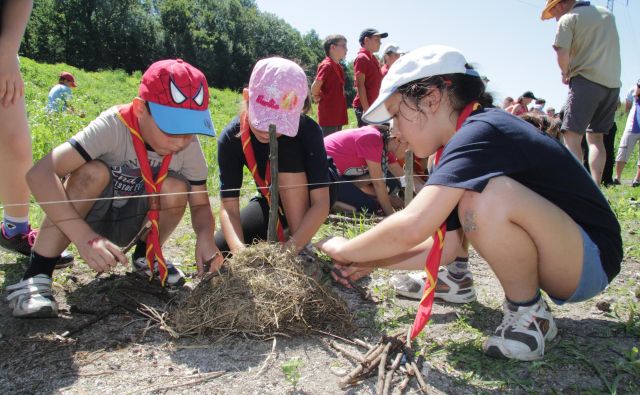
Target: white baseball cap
[392, 48]
[415, 65]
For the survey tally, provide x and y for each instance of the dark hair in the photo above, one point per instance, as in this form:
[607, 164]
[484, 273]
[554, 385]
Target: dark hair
[541, 122]
[333, 39]
[541, 101]
[461, 89]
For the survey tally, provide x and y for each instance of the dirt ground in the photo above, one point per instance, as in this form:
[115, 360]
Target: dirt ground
[127, 353]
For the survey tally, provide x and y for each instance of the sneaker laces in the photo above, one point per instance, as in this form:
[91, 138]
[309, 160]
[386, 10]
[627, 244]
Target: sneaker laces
[510, 319]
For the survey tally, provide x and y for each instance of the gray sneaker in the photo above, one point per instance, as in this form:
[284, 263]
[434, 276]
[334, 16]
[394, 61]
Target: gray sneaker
[32, 298]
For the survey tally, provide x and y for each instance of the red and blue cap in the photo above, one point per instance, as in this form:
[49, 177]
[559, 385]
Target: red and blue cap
[178, 97]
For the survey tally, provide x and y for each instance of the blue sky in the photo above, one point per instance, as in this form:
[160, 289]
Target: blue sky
[504, 39]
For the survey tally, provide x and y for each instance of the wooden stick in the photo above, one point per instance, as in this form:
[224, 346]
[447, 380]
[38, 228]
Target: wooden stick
[272, 230]
[141, 233]
[418, 374]
[392, 369]
[381, 369]
[364, 294]
[408, 176]
[403, 385]
[92, 321]
[353, 355]
[370, 360]
[363, 343]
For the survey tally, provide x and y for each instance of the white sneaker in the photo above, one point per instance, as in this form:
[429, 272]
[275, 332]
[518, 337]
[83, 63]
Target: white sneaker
[32, 298]
[448, 287]
[522, 333]
[175, 277]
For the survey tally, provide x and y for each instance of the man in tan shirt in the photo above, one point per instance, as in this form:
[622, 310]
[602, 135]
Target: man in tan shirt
[588, 53]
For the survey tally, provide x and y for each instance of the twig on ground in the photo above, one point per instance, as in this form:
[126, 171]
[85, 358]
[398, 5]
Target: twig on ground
[87, 324]
[353, 355]
[269, 356]
[165, 387]
[392, 369]
[381, 369]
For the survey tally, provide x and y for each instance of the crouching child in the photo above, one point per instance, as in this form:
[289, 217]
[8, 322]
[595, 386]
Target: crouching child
[146, 147]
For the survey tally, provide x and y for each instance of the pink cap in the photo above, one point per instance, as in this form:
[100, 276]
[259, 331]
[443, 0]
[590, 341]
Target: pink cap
[277, 90]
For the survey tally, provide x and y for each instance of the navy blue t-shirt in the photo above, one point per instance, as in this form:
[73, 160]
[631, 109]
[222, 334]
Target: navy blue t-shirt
[303, 153]
[493, 143]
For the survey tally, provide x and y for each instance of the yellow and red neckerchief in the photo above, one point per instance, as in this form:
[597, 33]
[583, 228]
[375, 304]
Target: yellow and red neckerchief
[154, 249]
[263, 183]
[435, 255]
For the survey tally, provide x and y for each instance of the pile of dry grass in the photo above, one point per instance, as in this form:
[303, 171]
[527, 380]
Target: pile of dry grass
[262, 291]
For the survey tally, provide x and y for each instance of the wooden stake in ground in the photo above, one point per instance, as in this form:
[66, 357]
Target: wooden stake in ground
[408, 176]
[272, 232]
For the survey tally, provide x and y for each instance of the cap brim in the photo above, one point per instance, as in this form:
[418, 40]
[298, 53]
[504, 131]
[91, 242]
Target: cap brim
[377, 113]
[382, 35]
[172, 120]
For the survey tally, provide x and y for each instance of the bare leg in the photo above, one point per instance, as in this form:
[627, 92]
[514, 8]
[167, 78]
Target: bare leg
[573, 141]
[17, 159]
[619, 168]
[597, 155]
[86, 182]
[529, 242]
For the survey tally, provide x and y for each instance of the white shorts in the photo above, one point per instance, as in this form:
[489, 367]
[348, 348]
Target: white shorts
[627, 145]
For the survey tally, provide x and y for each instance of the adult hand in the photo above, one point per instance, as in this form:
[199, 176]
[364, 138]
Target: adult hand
[11, 84]
[207, 253]
[100, 254]
[565, 79]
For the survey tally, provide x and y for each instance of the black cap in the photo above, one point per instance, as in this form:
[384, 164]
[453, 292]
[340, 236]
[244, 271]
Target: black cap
[529, 95]
[371, 32]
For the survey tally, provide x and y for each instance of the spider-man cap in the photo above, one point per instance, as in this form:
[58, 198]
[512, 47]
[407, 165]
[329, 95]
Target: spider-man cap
[178, 97]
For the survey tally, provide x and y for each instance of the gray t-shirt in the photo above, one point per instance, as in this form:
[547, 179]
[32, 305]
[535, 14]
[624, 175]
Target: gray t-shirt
[108, 139]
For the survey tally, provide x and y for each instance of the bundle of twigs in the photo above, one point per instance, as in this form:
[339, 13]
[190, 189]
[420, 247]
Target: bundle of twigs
[263, 290]
[391, 356]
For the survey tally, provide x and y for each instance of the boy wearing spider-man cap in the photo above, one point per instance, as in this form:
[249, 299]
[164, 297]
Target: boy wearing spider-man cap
[131, 167]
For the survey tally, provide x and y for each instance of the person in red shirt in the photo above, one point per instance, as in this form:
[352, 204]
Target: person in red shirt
[328, 88]
[366, 70]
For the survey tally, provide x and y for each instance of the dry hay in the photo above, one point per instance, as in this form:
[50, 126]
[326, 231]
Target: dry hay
[263, 290]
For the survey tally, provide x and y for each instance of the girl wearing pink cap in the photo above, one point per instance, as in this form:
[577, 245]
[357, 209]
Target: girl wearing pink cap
[276, 94]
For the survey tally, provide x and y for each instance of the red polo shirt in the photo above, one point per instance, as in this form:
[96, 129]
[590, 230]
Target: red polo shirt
[366, 63]
[332, 108]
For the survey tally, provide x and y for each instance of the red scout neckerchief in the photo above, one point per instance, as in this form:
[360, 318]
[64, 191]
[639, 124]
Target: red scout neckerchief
[154, 249]
[433, 259]
[263, 183]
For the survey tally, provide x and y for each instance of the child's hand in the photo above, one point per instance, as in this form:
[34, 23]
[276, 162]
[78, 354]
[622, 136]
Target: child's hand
[332, 246]
[208, 257]
[100, 254]
[353, 273]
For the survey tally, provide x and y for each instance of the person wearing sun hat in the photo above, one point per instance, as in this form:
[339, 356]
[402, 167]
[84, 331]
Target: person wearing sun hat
[390, 53]
[495, 182]
[275, 96]
[147, 146]
[588, 53]
[366, 72]
[60, 95]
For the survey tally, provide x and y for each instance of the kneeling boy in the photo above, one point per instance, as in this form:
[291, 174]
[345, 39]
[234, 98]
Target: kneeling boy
[146, 147]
